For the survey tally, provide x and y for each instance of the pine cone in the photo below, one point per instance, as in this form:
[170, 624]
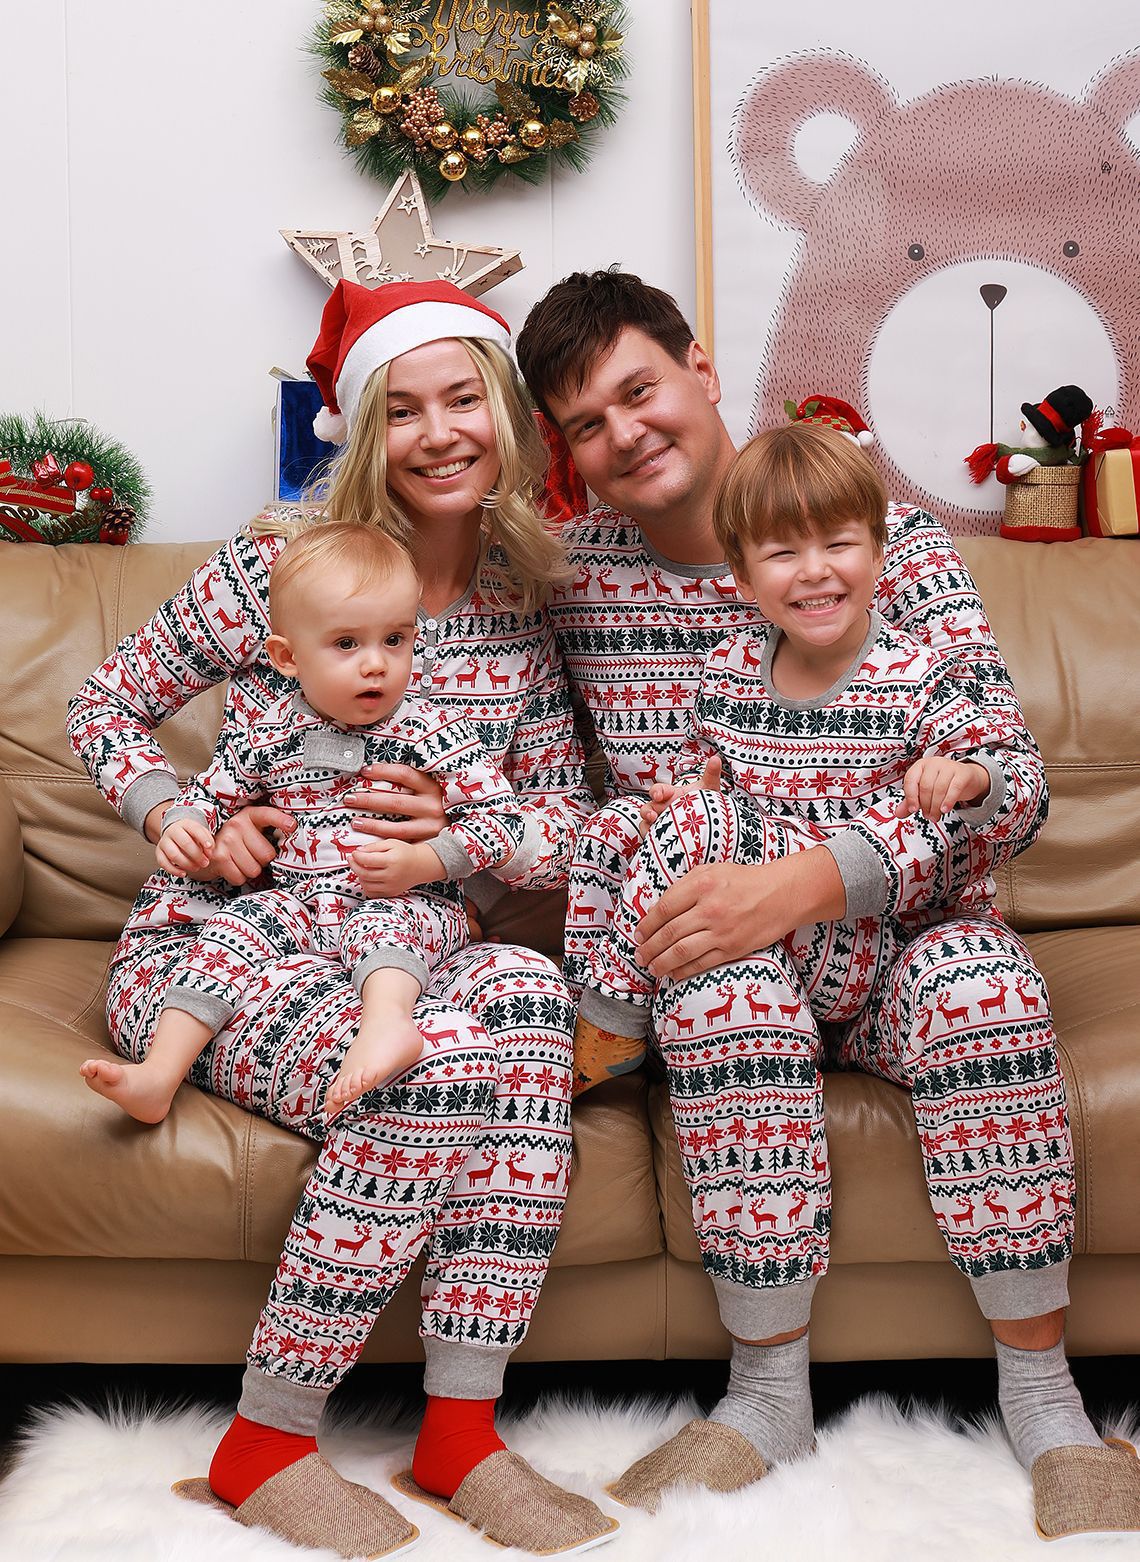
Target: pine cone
[583, 106]
[363, 57]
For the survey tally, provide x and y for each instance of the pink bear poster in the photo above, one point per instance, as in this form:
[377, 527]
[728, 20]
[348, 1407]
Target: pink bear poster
[935, 227]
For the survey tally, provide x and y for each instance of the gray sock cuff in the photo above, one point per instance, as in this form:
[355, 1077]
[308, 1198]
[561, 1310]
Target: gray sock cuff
[1022, 1293]
[455, 1370]
[620, 1015]
[274, 1401]
[750, 1314]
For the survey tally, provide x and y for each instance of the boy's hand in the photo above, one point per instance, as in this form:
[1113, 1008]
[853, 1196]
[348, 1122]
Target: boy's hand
[184, 846]
[395, 867]
[661, 795]
[934, 785]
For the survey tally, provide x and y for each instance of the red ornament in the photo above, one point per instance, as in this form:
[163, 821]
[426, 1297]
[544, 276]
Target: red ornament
[46, 470]
[102, 495]
[79, 476]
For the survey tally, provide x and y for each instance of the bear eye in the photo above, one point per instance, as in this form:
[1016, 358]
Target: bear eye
[916, 252]
[1070, 248]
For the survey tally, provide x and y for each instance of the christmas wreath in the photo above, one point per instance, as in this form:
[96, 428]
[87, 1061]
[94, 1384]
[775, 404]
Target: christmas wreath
[537, 81]
[66, 482]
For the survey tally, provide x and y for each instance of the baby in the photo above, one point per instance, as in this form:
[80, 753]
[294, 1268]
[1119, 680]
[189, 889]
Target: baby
[343, 600]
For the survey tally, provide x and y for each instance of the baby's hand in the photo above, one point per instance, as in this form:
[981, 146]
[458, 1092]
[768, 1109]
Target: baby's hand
[934, 785]
[661, 795]
[183, 846]
[394, 867]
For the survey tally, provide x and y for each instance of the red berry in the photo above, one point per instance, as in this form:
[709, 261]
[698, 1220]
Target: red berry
[79, 476]
[102, 495]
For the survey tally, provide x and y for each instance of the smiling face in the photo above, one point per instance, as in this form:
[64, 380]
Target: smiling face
[349, 645]
[817, 588]
[644, 430]
[443, 458]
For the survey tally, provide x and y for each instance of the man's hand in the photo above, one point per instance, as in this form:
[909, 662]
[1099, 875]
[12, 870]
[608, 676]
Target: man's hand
[722, 912]
[934, 785]
[184, 845]
[419, 801]
[661, 795]
[395, 867]
[242, 849]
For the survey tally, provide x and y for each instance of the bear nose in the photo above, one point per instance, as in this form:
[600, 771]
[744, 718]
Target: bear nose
[992, 295]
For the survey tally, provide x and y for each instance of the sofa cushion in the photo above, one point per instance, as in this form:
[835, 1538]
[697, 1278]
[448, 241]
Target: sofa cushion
[213, 1181]
[880, 1210]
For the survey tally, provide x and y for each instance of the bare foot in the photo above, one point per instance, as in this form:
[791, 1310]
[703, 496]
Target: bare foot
[131, 1086]
[377, 1054]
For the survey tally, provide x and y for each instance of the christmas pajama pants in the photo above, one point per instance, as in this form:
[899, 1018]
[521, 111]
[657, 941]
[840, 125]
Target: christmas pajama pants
[411, 933]
[957, 1014]
[465, 1156]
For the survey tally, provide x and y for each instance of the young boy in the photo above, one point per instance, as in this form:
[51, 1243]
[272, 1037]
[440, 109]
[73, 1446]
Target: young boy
[819, 712]
[343, 601]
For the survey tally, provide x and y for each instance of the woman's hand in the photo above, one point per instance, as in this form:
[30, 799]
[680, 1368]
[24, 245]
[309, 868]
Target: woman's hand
[241, 847]
[419, 801]
[725, 911]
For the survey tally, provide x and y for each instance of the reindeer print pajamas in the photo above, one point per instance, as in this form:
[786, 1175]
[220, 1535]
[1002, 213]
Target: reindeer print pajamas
[296, 760]
[467, 1154]
[954, 1009]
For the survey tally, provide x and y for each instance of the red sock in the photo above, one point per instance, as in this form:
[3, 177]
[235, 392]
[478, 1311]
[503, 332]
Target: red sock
[249, 1454]
[456, 1435]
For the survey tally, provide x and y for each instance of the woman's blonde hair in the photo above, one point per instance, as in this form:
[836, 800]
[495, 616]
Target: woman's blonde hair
[792, 480]
[518, 556]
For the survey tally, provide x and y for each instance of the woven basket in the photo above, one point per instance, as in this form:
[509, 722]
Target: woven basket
[1042, 506]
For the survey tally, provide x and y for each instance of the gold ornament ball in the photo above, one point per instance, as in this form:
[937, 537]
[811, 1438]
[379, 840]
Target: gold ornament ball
[572, 38]
[377, 8]
[587, 32]
[472, 140]
[532, 133]
[586, 49]
[367, 24]
[386, 100]
[384, 25]
[453, 166]
[443, 136]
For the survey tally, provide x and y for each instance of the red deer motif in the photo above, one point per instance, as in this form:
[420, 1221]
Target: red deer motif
[515, 1175]
[647, 777]
[988, 1005]
[608, 588]
[922, 1030]
[796, 1210]
[693, 588]
[1032, 1208]
[580, 585]
[901, 667]
[1030, 999]
[761, 1216]
[314, 1236]
[484, 1173]
[953, 632]
[998, 1211]
[497, 679]
[759, 1011]
[639, 588]
[723, 1011]
[343, 1245]
[1059, 1198]
[684, 1027]
[470, 790]
[734, 1212]
[951, 1014]
[728, 592]
[964, 1214]
[470, 677]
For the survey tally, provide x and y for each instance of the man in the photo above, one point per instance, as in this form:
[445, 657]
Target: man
[613, 363]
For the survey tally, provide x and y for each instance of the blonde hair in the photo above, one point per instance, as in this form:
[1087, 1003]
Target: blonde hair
[518, 556]
[795, 479]
[368, 553]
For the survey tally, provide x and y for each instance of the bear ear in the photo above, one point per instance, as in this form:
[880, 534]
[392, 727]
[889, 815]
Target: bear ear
[771, 113]
[1116, 91]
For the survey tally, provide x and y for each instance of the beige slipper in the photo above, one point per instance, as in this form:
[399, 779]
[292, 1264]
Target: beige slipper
[702, 1453]
[310, 1504]
[515, 1506]
[1087, 1491]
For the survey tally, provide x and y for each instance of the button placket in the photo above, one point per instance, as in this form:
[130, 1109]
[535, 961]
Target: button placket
[427, 665]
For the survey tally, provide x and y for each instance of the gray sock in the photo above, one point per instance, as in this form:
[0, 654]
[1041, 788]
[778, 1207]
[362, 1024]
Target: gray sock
[1040, 1404]
[769, 1399]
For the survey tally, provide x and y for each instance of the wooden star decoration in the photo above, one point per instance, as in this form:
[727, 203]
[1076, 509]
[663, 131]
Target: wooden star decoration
[401, 246]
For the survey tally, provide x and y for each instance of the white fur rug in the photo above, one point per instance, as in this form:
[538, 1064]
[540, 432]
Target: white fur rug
[883, 1485]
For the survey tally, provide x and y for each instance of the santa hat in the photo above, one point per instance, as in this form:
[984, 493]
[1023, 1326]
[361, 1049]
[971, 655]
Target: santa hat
[1057, 416]
[364, 328]
[832, 413]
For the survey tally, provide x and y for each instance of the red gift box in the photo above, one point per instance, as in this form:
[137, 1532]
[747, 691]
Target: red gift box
[1110, 484]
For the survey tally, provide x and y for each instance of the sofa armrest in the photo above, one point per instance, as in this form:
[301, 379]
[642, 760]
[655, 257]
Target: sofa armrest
[11, 861]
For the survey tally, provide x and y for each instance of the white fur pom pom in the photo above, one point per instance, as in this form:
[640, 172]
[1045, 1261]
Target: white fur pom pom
[865, 440]
[332, 427]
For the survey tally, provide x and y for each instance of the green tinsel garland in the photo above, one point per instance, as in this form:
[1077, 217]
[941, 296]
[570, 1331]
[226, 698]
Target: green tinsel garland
[384, 151]
[73, 439]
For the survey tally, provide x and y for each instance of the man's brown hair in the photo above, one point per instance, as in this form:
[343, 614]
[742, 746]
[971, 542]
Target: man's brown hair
[795, 479]
[580, 320]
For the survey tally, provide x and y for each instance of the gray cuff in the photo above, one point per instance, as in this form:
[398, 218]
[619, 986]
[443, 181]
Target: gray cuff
[181, 811]
[207, 1007]
[390, 959]
[456, 863]
[752, 1314]
[620, 1015]
[287, 1407]
[1022, 1293]
[455, 1370]
[151, 788]
[861, 870]
[982, 812]
[485, 891]
[526, 854]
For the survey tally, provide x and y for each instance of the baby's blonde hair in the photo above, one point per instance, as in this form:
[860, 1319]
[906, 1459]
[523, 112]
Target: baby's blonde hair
[366, 552]
[518, 554]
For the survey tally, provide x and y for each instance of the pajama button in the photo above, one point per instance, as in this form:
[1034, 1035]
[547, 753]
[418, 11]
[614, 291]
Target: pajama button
[348, 753]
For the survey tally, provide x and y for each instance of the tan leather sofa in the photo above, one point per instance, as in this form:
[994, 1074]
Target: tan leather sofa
[123, 1243]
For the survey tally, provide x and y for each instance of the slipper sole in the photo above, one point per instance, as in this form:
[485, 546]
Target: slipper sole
[1089, 1534]
[407, 1486]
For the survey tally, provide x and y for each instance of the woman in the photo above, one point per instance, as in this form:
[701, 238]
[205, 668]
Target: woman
[441, 452]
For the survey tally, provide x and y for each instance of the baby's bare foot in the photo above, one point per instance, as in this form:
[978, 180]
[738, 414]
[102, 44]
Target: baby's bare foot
[375, 1056]
[131, 1086]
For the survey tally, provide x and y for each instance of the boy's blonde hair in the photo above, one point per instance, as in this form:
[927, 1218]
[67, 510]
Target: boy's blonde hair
[354, 487]
[792, 480]
[368, 554]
